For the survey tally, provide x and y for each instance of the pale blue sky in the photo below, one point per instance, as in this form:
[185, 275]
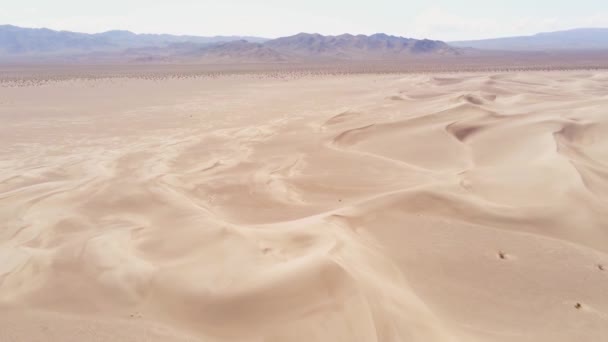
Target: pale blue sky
[439, 19]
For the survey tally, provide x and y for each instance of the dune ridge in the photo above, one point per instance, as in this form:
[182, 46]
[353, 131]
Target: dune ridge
[422, 207]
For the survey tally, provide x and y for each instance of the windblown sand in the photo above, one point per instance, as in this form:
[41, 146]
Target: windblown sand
[446, 207]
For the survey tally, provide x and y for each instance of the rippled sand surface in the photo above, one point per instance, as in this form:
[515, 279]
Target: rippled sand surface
[445, 207]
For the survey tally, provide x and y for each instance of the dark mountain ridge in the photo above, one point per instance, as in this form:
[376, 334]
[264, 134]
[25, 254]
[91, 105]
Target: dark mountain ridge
[378, 45]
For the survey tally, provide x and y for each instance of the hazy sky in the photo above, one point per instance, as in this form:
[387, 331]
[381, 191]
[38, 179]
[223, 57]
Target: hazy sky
[439, 19]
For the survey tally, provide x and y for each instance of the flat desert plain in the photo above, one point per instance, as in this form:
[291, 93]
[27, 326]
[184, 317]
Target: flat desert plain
[302, 207]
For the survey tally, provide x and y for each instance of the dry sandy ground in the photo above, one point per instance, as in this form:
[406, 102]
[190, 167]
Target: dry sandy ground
[446, 207]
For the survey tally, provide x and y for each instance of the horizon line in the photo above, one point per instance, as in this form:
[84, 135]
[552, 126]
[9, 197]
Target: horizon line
[294, 34]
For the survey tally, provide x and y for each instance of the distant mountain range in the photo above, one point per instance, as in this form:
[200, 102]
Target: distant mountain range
[577, 39]
[47, 45]
[44, 45]
[23, 41]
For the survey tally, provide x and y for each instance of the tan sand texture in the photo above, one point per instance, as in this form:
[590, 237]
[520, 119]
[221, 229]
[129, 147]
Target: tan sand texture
[270, 207]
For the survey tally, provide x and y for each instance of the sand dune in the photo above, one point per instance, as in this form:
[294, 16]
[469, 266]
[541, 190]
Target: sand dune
[446, 207]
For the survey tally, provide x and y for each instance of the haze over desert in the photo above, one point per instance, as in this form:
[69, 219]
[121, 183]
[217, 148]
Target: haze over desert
[291, 206]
